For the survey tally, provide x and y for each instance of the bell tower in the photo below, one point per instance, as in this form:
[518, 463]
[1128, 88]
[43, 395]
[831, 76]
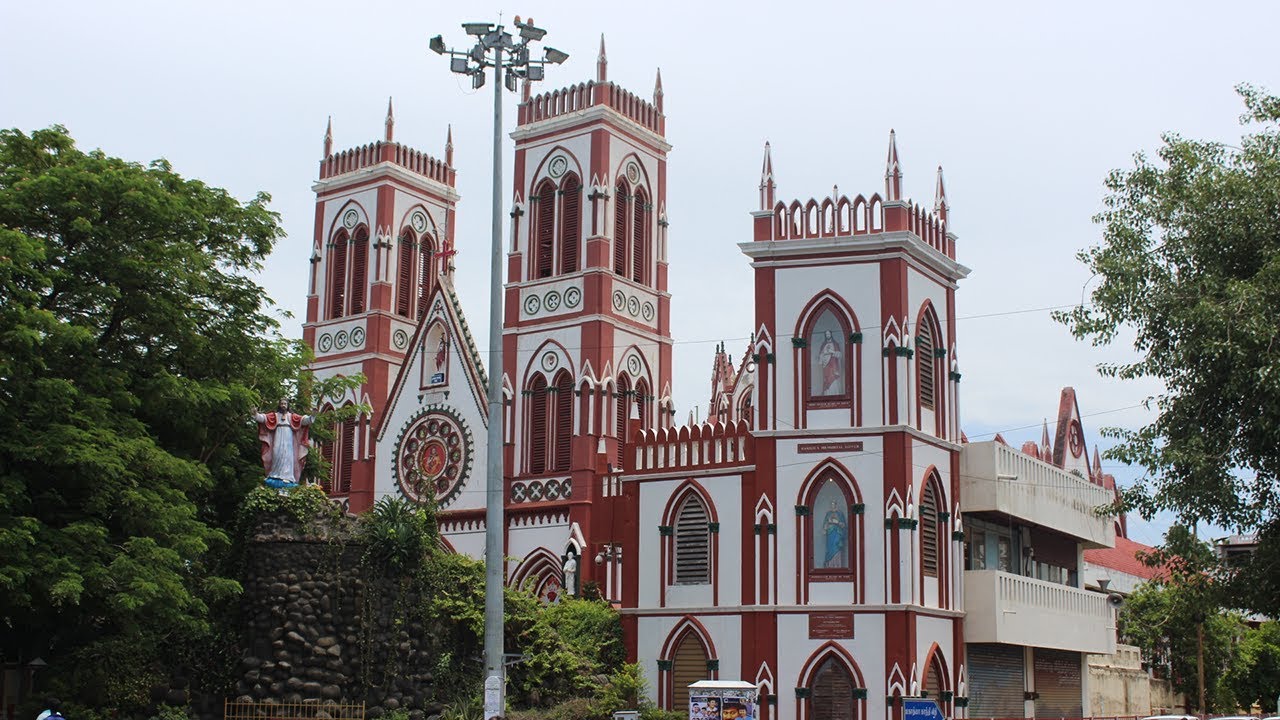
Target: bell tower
[383, 235]
[587, 342]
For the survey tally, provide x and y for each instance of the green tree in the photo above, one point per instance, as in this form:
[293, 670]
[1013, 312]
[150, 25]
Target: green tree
[1165, 618]
[1254, 676]
[133, 346]
[1189, 265]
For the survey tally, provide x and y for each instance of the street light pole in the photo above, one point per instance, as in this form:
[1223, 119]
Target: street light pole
[516, 66]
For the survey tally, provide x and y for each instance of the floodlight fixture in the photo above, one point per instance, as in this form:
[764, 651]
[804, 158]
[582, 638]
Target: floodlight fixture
[510, 61]
[531, 33]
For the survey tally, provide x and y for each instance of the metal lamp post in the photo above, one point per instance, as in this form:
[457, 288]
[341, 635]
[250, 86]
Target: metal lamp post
[495, 48]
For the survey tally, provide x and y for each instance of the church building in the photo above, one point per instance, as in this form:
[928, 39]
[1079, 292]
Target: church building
[806, 538]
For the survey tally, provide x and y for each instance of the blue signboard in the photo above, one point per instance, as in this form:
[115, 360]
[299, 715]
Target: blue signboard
[921, 709]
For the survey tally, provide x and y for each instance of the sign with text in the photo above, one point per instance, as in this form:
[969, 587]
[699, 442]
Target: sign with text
[921, 709]
[829, 447]
[831, 626]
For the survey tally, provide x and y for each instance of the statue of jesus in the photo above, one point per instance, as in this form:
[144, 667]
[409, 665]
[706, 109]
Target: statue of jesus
[284, 444]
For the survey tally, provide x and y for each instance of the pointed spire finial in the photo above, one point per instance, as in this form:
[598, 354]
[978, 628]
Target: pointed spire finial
[893, 171]
[391, 120]
[448, 147]
[1046, 448]
[602, 63]
[767, 185]
[328, 138]
[1097, 462]
[940, 204]
[657, 91]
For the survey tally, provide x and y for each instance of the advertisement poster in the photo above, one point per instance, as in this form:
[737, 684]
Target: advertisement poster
[704, 707]
[733, 708]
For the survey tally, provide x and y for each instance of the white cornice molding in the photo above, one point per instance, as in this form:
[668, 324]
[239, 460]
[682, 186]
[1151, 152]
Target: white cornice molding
[385, 169]
[593, 113]
[762, 251]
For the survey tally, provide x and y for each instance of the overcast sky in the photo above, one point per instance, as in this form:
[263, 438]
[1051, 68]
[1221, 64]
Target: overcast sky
[1025, 105]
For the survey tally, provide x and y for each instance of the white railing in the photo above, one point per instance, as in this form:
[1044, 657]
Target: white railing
[1005, 608]
[997, 478]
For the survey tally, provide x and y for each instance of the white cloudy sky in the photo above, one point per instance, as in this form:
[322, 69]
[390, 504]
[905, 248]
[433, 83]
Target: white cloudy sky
[1025, 105]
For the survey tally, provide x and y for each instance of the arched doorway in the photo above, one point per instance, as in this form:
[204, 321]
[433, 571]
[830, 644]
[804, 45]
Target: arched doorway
[688, 666]
[831, 694]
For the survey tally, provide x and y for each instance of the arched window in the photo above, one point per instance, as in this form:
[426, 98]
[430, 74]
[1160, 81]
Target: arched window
[338, 276]
[327, 452]
[406, 276]
[692, 542]
[622, 410]
[831, 692]
[620, 198]
[359, 270]
[544, 228]
[570, 224]
[537, 394]
[347, 455]
[426, 272]
[688, 666]
[640, 236]
[927, 363]
[563, 421]
[829, 365]
[643, 403]
[929, 502]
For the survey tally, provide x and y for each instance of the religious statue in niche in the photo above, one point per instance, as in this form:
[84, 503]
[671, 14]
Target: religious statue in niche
[284, 444]
[831, 541]
[826, 376]
[442, 352]
[571, 575]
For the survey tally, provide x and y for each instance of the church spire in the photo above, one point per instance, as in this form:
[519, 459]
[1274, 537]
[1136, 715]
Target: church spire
[940, 204]
[328, 138]
[448, 147]
[602, 63]
[1046, 448]
[767, 186]
[391, 120]
[657, 91]
[892, 171]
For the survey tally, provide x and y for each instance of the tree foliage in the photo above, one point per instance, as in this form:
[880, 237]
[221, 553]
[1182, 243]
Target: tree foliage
[133, 346]
[1254, 676]
[1190, 264]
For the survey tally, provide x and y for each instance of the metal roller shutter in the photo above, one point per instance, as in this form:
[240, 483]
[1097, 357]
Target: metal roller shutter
[996, 681]
[1057, 674]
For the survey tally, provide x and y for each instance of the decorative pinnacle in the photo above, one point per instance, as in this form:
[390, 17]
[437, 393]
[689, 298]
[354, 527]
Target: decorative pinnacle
[602, 63]
[767, 185]
[328, 138]
[893, 171]
[1044, 437]
[391, 120]
[448, 147]
[940, 204]
[657, 91]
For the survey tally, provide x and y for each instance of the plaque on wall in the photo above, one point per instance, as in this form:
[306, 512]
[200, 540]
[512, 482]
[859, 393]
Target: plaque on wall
[831, 626]
[829, 447]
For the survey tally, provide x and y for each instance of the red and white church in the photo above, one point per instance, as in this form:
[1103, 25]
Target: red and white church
[806, 538]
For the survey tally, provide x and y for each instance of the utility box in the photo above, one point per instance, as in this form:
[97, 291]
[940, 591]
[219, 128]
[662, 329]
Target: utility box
[722, 700]
[626, 715]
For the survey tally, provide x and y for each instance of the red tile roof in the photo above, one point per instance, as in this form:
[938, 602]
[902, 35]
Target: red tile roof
[1124, 558]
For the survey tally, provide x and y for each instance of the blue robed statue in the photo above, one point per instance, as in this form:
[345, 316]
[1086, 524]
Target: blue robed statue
[835, 528]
